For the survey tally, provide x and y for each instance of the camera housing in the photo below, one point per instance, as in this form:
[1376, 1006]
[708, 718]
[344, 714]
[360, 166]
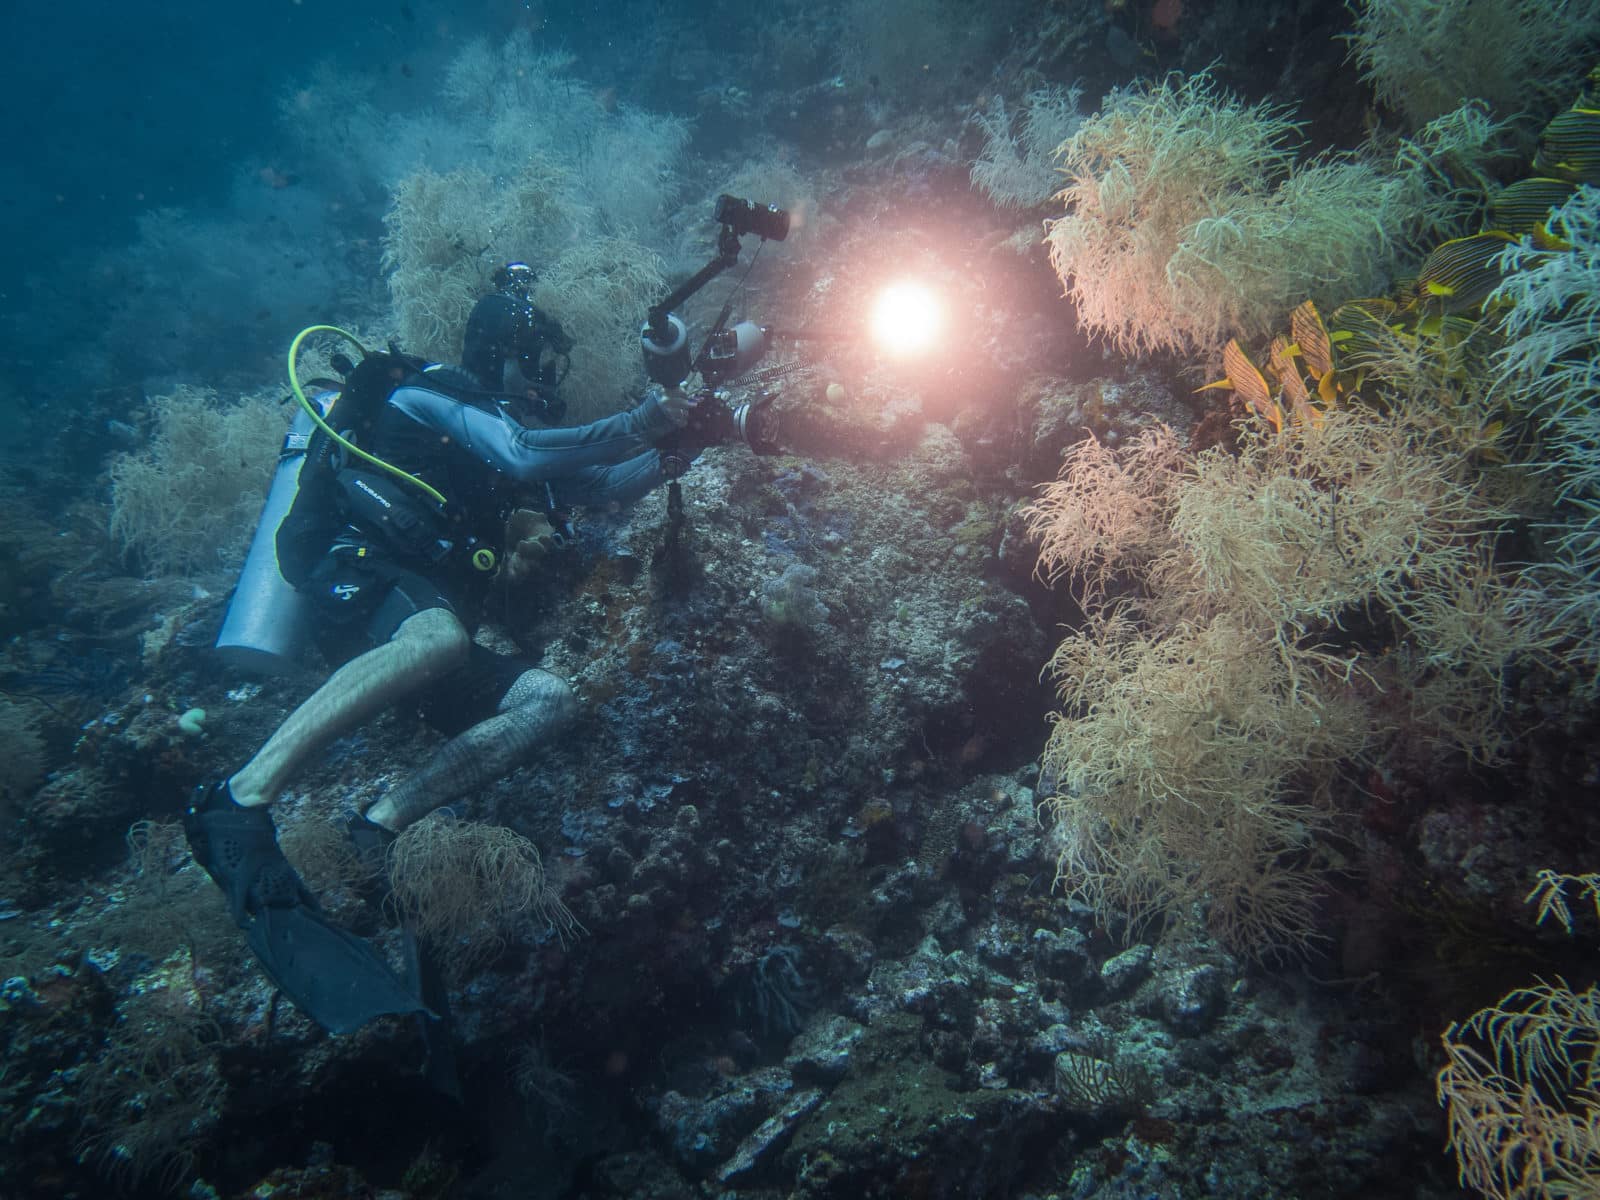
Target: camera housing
[727, 352]
[731, 352]
[766, 221]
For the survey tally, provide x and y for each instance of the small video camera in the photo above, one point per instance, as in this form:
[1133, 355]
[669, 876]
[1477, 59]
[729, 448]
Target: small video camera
[766, 221]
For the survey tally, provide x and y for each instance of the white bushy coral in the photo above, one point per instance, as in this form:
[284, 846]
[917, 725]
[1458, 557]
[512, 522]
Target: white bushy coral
[1017, 167]
[1175, 766]
[1424, 57]
[599, 289]
[1183, 213]
[187, 504]
[1207, 707]
[522, 104]
[473, 888]
[628, 169]
[568, 184]
[446, 234]
[1190, 220]
[1551, 365]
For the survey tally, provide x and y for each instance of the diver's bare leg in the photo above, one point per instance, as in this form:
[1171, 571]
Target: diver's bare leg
[534, 709]
[427, 645]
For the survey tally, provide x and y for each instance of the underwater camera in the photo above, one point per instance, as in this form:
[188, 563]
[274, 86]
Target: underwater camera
[664, 340]
[766, 221]
[715, 422]
[728, 351]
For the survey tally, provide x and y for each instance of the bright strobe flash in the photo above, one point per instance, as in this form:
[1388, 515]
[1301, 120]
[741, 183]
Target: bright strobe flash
[907, 319]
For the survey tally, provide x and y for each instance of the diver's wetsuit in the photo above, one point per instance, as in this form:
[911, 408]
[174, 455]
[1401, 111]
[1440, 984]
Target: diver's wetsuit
[377, 555]
[364, 581]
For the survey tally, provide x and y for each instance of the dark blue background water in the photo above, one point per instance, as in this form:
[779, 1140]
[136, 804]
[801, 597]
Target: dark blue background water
[115, 110]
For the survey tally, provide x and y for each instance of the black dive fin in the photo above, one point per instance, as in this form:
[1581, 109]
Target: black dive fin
[438, 1048]
[334, 977]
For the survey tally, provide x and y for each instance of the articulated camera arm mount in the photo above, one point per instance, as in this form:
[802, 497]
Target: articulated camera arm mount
[726, 257]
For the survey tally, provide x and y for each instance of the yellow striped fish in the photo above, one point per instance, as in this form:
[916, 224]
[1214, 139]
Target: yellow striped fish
[1251, 384]
[1365, 330]
[1281, 358]
[1590, 96]
[1570, 146]
[1316, 348]
[1460, 273]
[1309, 333]
[1525, 207]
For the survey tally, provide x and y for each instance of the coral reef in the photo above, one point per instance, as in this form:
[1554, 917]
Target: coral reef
[867, 907]
[1190, 217]
[1423, 57]
[187, 503]
[468, 888]
[1549, 364]
[1018, 167]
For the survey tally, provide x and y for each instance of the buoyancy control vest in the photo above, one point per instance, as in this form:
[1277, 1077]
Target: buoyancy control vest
[309, 507]
[341, 497]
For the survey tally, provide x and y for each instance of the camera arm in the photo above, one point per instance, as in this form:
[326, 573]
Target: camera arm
[664, 339]
[727, 255]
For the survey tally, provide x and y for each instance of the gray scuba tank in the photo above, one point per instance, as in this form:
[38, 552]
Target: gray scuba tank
[268, 622]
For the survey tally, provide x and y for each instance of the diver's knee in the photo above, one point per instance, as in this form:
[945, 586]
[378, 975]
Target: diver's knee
[548, 694]
[439, 635]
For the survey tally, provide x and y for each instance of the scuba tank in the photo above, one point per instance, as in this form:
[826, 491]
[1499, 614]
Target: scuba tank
[268, 620]
[266, 626]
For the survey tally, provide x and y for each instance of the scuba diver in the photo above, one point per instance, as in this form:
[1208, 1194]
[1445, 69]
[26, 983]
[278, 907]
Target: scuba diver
[403, 517]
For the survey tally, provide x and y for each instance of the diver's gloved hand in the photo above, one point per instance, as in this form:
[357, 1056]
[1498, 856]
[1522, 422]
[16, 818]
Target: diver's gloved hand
[710, 422]
[530, 536]
[677, 404]
[238, 847]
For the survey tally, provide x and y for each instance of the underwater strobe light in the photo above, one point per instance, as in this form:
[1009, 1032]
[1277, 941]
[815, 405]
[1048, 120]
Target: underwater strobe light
[907, 319]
